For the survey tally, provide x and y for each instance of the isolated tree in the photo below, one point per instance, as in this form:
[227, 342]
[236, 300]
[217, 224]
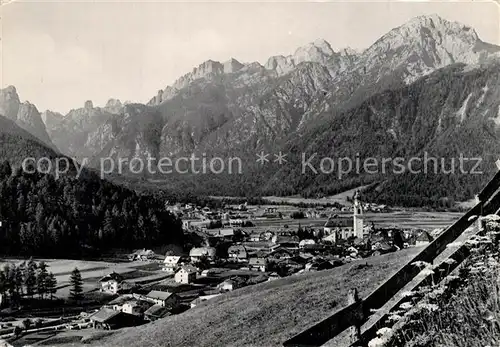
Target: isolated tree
[51, 284]
[76, 282]
[41, 279]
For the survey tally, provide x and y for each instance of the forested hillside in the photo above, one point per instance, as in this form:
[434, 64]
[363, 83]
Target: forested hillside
[47, 217]
[450, 113]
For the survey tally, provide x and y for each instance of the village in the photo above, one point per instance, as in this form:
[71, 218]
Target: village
[231, 251]
[226, 249]
[233, 247]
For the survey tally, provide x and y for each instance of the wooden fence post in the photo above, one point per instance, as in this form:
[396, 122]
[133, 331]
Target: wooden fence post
[355, 330]
[479, 223]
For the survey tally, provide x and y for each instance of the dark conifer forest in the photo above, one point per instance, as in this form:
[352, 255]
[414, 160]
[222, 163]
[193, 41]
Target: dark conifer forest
[45, 216]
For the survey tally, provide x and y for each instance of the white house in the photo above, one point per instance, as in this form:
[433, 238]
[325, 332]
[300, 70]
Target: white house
[231, 284]
[134, 307]
[187, 274]
[273, 276]
[306, 242]
[111, 283]
[171, 263]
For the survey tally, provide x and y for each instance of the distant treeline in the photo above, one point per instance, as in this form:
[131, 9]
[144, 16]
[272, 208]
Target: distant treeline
[68, 217]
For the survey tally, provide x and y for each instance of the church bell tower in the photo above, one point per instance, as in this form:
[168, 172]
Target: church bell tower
[358, 216]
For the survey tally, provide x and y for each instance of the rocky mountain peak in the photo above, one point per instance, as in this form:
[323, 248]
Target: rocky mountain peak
[9, 102]
[437, 23]
[10, 90]
[424, 44]
[431, 30]
[51, 118]
[318, 51]
[348, 51]
[114, 103]
[24, 114]
[114, 106]
[232, 65]
[88, 105]
[207, 67]
[27, 110]
[30, 119]
[280, 64]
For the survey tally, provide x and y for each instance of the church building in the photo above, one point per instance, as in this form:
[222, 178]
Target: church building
[339, 227]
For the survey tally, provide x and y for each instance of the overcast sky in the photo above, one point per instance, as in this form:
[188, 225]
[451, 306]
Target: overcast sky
[59, 54]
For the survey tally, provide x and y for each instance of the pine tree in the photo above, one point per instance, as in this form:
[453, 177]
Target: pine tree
[41, 279]
[5, 169]
[76, 283]
[13, 290]
[109, 229]
[30, 277]
[51, 284]
[3, 283]
[40, 216]
[18, 278]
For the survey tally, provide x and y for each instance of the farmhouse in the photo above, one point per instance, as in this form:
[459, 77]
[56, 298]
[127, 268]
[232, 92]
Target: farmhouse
[257, 264]
[266, 235]
[197, 254]
[260, 246]
[109, 319]
[303, 243]
[162, 298]
[135, 307]
[117, 303]
[142, 254]
[273, 276]
[238, 252]
[156, 312]
[187, 274]
[231, 284]
[111, 283]
[229, 233]
[281, 254]
[289, 241]
[172, 263]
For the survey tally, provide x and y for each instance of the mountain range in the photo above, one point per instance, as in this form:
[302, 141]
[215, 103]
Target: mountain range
[430, 85]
